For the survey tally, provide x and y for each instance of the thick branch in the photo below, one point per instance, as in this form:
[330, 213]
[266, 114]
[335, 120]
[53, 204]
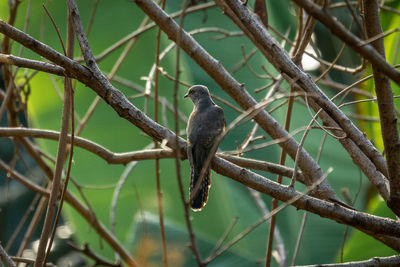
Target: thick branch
[387, 112]
[253, 28]
[285, 194]
[236, 90]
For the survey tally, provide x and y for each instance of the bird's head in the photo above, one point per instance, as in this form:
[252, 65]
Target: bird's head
[198, 92]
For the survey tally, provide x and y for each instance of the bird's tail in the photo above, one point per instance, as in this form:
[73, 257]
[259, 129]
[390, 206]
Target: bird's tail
[199, 200]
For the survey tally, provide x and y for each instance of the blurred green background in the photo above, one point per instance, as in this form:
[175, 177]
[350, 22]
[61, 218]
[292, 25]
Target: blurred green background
[137, 224]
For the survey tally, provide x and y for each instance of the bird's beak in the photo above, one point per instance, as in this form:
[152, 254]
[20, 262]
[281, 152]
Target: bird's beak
[187, 94]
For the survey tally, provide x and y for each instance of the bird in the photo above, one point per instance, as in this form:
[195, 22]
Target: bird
[204, 130]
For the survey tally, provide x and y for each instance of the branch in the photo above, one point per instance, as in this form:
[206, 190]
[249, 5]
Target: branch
[253, 28]
[376, 261]
[387, 111]
[98, 260]
[366, 51]
[324, 209]
[236, 90]
[32, 64]
[148, 27]
[86, 213]
[25, 182]
[104, 153]
[103, 88]
[146, 154]
[56, 182]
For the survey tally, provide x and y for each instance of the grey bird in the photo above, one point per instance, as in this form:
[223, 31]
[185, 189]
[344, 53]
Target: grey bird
[205, 126]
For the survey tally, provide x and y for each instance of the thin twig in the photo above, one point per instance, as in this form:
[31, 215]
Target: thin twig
[290, 71]
[156, 161]
[367, 51]
[148, 27]
[192, 238]
[37, 216]
[297, 247]
[92, 15]
[91, 63]
[92, 255]
[224, 236]
[114, 201]
[56, 183]
[68, 99]
[22, 221]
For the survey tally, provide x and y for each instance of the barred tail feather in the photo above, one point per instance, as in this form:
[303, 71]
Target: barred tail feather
[199, 200]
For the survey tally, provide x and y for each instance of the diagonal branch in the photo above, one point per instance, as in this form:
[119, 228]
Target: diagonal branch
[236, 90]
[253, 28]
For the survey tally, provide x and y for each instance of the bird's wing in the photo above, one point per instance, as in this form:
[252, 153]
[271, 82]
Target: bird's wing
[213, 126]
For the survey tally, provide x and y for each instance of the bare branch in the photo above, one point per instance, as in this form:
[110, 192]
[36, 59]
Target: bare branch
[32, 64]
[236, 90]
[278, 57]
[367, 51]
[387, 111]
[97, 259]
[104, 153]
[376, 261]
[56, 182]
